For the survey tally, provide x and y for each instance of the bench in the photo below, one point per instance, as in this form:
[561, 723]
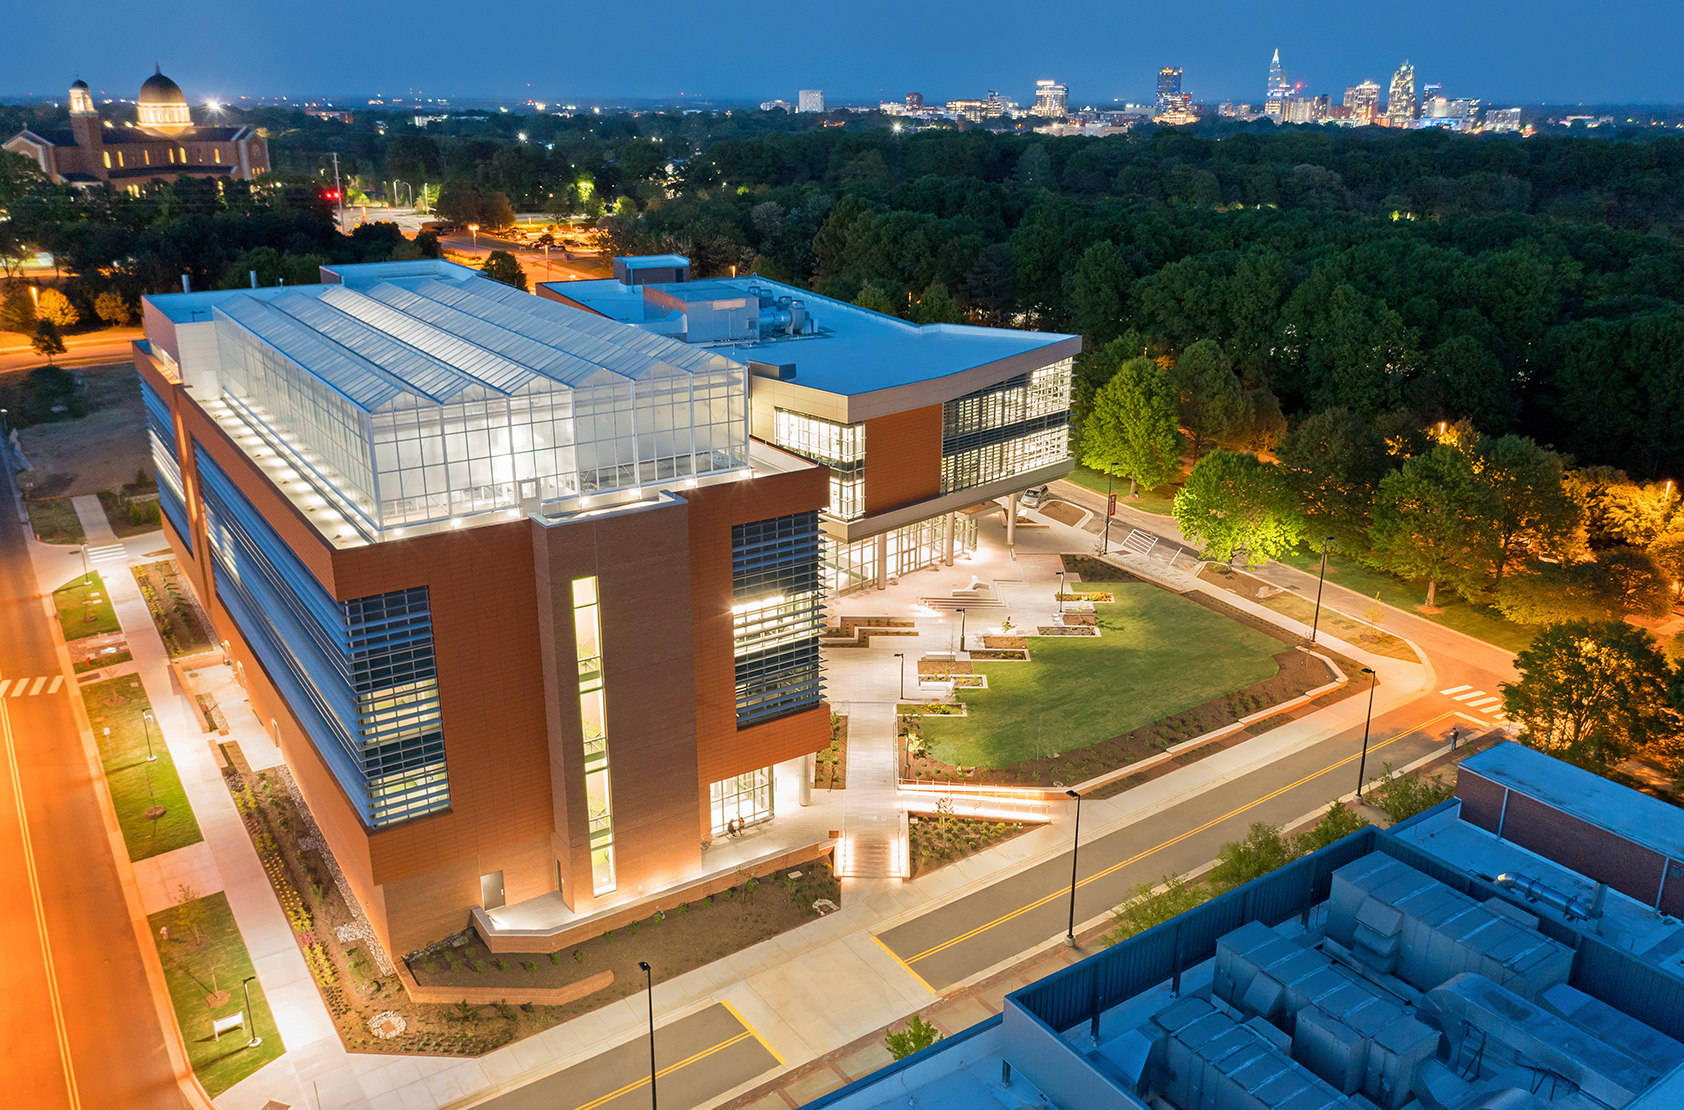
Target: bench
[221, 1025]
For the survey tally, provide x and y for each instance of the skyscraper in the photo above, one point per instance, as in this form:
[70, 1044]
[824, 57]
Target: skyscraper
[1364, 101]
[1052, 99]
[1169, 86]
[1400, 100]
[1274, 104]
[810, 100]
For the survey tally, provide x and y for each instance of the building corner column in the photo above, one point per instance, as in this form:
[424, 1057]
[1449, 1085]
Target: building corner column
[947, 540]
[1011, 520]
[882, 567]
[805, 794]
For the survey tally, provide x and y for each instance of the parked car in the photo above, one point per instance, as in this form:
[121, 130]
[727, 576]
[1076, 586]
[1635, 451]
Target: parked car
[1032, 497]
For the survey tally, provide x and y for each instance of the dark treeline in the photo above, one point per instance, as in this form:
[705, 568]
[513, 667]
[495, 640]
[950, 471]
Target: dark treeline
[1531, 286]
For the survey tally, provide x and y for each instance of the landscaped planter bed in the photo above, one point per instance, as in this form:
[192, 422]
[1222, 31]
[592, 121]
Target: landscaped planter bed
[1001, 655]
[936, 841]
[830, 767]
[1066, 630]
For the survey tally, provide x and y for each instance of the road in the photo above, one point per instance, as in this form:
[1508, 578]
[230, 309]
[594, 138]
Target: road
[79, 1028]
[698, 1058]
[559, 268]
[86, 349]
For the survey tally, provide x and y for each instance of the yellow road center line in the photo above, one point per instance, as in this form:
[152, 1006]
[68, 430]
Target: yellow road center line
[910, 970]
[732, 1010]
[668, 1070]
[1170, 843]
[59, 1027]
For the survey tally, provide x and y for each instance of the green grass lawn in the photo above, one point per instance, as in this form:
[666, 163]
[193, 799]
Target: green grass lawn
[78, 600]
[1158, 654]
[1159, 500]
[137, 785]
[1477, 621]
[194, 972]
[55, 521]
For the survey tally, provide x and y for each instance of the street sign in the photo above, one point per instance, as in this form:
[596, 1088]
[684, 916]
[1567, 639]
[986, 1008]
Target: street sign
[1111, 505]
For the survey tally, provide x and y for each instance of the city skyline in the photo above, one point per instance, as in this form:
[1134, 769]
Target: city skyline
[1512, 52]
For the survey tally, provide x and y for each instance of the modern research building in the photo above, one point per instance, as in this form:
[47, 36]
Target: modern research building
[923, 428]
[523, 605]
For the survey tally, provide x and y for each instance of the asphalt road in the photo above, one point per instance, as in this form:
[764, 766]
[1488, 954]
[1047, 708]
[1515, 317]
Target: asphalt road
[698, 1058]
[78, 1027]
[87, 349]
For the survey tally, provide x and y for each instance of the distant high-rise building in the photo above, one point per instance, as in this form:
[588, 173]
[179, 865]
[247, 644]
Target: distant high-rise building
[810, 100]
[1274, 102]
[1306, 109]
[1503, 119]
[914, 100]
[1052, 99]
[1169, 86]
[1364, 101]
[1401, 104]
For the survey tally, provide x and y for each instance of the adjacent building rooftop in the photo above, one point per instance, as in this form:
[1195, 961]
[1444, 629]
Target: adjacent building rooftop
[1435, 965]
[790, 333]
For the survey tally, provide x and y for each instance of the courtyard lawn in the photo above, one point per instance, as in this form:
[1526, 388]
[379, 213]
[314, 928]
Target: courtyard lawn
[1158, 654]
[1158, 501]
[204, 981]
[137, 786]
[1475, 620]
[80, 599]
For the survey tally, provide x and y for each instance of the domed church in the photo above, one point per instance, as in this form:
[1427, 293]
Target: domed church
[162, 143]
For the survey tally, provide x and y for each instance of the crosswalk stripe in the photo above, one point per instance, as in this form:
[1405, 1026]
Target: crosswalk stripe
[17, 691]
[4, 682]
[1455, 689]
[58, 680]
[1483, 702]
[36, 689]
[1466, 696]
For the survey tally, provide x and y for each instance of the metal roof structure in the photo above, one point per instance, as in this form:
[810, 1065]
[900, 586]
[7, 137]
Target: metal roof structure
[438, 341]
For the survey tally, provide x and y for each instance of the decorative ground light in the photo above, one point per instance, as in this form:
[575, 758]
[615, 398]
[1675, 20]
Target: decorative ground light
[387, 1024]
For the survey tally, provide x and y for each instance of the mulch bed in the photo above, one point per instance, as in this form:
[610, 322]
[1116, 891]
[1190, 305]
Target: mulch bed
[1063, 512]
[936, 841]
[830, 767]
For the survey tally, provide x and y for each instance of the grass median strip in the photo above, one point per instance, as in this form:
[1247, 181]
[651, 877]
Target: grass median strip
[55, 521]
[205, 962]
[147, 794]
[84, 607]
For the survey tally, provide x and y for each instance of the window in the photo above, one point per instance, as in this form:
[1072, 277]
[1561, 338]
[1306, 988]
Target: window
[1012, 428]
[778, 607]
[746, 798]
[840, 446]
[599, 800]
[160, 434]
[360, 674]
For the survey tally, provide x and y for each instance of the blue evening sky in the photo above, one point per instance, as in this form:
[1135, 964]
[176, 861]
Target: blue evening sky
[1504, 51]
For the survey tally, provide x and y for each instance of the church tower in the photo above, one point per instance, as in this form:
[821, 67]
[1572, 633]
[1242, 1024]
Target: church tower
[84, 117]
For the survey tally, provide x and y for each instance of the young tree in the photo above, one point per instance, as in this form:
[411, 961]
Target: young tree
[916, 1036]
[56, 307]
[1532, 511]
[17, 310]
[936, 306]
[459, 202]
[1262, 850]
[1132, 431]
[112, 307]
[1149, 906]
[1629, 581]
[1337, 823]
[874, 297]
[495, 210]
[47, 340]
[1212, 402]
[1334, 461]
[1430, 521]
[504, 267]
[1591, 692]
[1235, 502]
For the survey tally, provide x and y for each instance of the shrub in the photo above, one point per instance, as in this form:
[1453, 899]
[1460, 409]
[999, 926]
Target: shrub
[916, 1036]
[1400, 796]
[1336, 824]
[531, 966]
[502, 964]
[1150, 906]
[1262, 850]
[555, 957]
[479, 966]
[578, 955]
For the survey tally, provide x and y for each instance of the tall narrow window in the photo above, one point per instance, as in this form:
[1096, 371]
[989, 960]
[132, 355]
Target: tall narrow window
[599, 798]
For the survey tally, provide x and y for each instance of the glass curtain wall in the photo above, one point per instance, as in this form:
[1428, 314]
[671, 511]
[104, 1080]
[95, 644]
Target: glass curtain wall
[160, 435]
[851, 566]
[839, 446]
[1012, 428]
[745, 798]
[776, 616]
[593, 723]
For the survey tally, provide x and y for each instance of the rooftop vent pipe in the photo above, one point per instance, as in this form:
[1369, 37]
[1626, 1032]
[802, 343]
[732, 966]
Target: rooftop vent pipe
[1535, 890]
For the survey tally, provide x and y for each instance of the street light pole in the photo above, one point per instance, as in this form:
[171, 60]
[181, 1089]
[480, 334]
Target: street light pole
[1075, 844]
[87, 579]
[1362, 766]
[251, 1021]
[649, 986]
[1061, 593]
[1105, 545]
[1316, 624]
[901, 655]
[961, 630]
[146, 719]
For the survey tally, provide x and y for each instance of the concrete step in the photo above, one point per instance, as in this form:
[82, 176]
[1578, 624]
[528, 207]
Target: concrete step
[871, 856]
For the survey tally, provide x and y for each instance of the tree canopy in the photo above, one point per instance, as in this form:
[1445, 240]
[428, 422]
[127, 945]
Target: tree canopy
[1232, 503]
[1131, 432]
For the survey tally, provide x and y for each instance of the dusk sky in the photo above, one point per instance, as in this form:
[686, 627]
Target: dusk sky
[1543, 50]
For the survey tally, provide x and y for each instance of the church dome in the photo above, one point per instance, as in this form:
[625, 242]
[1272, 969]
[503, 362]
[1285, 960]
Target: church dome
[79, 84]
[159, 89]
